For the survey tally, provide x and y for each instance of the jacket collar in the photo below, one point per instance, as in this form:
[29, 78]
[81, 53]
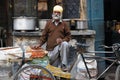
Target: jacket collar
[59, 20]
[56, 23]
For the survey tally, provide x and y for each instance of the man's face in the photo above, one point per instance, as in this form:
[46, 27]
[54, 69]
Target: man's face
[56, 15]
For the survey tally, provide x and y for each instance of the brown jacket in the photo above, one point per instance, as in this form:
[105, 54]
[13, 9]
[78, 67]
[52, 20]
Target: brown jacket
[52, 32]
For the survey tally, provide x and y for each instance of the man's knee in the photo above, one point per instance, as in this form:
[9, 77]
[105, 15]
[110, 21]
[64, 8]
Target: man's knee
[65, 44]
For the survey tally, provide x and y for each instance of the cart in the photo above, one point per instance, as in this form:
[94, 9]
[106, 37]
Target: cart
[27, 65]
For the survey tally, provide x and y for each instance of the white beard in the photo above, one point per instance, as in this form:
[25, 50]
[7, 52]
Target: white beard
[56, 17]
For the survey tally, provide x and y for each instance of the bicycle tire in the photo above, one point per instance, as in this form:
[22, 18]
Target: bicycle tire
[41, 73]
[117, 73]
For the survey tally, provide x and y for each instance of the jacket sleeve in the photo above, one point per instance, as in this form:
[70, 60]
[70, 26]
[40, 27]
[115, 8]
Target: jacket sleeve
[44, 35]
[67, 33]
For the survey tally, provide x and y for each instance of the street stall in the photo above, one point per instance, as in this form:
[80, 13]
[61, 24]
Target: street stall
[10, 55]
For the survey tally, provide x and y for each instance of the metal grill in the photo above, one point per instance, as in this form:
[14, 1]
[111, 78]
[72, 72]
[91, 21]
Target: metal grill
[25, 8]
[71, 9]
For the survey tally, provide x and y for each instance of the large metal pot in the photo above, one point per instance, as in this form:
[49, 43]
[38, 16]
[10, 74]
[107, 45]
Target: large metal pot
[81, 24]
[42, 23]
[24, 23]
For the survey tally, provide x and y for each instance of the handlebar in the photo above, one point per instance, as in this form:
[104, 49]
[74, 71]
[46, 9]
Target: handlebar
[104, 46]
[82, 45]
[115, 46]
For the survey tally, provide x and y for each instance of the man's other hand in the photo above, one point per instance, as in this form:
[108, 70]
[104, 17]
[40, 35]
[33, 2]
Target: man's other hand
[35, 46]
[59, 40]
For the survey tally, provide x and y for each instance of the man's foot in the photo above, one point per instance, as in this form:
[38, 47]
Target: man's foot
[64, 68]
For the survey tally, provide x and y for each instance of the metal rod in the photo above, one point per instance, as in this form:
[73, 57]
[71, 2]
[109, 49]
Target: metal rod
[86, 66]
[100, 51]
[23, 58]
[106, 69]
[105, 58]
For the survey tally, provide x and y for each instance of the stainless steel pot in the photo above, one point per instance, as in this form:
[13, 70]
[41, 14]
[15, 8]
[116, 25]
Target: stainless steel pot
[24, 23]
[81, 24]
[42, 23]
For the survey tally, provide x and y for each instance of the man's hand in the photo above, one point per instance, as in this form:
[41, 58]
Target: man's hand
[59, 40]
[35, 46]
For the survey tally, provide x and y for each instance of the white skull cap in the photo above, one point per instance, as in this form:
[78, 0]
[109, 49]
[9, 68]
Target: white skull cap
[58, 8]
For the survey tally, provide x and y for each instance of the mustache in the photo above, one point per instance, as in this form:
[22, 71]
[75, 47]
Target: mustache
[56, 15]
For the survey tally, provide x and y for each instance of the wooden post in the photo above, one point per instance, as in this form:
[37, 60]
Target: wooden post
[83, 10]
